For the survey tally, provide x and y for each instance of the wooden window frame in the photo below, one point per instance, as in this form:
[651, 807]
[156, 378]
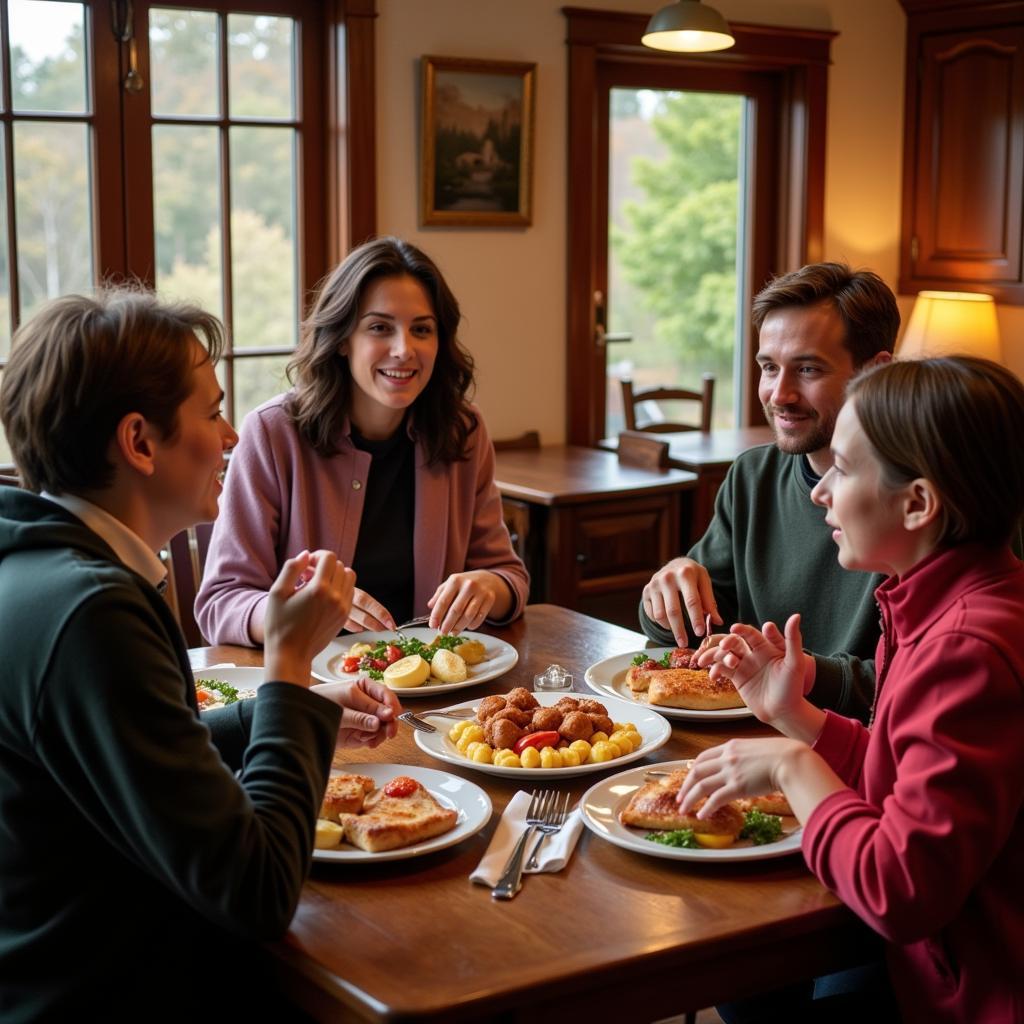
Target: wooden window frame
[796, 60]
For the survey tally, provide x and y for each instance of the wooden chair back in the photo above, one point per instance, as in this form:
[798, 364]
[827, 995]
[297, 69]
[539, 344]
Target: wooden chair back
[526, 440]
[705, 398]
[639, 449]
[185, 557]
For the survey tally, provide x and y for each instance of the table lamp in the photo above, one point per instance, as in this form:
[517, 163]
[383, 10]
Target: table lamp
[951, 323]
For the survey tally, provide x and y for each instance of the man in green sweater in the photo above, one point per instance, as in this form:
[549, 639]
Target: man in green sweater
[768, 551]
[145, 849]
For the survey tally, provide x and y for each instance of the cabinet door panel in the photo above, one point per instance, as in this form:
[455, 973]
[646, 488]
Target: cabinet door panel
[970, 156]
[618, 544]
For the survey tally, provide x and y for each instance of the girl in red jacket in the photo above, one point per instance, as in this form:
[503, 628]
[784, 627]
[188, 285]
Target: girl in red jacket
[915, 822]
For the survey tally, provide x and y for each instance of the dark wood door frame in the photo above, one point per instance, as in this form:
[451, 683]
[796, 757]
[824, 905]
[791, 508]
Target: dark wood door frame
[789, 202]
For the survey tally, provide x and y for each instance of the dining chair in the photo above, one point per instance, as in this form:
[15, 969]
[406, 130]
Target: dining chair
[526, 440]
[639, 449]
[631, 399]
[185, 557]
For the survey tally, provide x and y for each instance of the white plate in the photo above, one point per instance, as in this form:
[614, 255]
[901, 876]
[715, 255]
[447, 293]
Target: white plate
[601, 805]
[653, 729]
[500, 658]
[240, 678]
[472, 803]
[608, 678]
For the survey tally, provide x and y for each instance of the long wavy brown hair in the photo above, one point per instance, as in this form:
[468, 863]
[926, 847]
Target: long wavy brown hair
[322, 394]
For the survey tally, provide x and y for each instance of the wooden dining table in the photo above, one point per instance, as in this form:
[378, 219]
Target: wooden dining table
[616, 935]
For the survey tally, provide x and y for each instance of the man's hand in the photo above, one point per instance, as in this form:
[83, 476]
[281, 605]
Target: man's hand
[679, 590]
[369, 711]
[769, 670]
[465, 599]
[302, 618]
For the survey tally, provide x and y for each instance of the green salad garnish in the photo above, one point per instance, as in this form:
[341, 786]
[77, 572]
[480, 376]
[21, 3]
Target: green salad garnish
[683, 837]
[228, 693]
[761, 828]
[641, 658]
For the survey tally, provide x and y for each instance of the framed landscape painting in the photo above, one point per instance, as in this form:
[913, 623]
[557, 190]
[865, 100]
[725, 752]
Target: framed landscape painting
[477, 142]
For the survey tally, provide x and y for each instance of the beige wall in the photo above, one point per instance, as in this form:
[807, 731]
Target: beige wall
[511, 282]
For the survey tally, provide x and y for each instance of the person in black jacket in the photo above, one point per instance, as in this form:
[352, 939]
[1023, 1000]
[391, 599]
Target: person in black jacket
[145, 849]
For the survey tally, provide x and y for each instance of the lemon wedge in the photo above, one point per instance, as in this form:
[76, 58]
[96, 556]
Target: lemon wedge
[328, 834]
[407, 672]
[713, 842]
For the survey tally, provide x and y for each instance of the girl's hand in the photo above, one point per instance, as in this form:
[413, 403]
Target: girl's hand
[369, 711]
[767, 668]
[736, 768]
[755, 767]
[302, 618]
[465, 599]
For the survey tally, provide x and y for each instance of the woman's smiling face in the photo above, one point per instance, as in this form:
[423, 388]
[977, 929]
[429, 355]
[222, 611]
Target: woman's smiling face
[391, 353]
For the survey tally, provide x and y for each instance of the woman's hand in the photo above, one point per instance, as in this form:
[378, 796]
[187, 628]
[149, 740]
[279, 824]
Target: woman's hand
[465, 599]
[769, 671]
[755, 767]
[369, 711]
[368, 613]
[303, 617]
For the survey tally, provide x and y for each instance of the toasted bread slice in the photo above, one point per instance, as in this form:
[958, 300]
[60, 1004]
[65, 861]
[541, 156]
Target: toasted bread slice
[345, 795]
[770, 803]
[654, 806]
[693, 689]
[391, 822]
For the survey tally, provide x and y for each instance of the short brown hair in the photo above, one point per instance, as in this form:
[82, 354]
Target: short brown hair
[84, 362]
[865, 304]
[953, 422]
[323, 381]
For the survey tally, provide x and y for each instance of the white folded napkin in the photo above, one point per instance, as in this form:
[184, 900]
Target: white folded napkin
[555, 851]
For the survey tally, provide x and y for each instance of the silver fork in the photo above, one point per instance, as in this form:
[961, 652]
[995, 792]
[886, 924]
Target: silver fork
[420, 620]
[416, 720]
[551, 824]
[511, 880]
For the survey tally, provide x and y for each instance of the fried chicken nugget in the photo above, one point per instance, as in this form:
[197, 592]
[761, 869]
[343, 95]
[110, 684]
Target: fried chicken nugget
[490, 706]
[567, 704]
[520, 697]
[502, 733]
[576, 726]
[601, 723]
[516, 715]
[546, 720]
[592, 707]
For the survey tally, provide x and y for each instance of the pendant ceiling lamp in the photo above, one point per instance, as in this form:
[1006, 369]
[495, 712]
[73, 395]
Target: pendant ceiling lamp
[688, 26]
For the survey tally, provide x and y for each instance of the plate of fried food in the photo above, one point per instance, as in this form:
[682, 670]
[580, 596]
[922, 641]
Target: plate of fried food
[217, 687]
[544, 734]
[379, 812]
[668, 680]
[420, 663]
[637, 810]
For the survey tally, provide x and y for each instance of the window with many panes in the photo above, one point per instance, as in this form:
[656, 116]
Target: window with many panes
[181, 145]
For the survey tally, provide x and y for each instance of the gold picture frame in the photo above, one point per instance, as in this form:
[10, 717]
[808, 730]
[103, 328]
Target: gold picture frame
[477, 142]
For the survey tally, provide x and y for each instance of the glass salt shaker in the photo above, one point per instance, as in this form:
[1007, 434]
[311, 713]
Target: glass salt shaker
[554, 677]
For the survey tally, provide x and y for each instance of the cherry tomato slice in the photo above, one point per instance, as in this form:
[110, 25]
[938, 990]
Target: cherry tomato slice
[393, 654]
[536, 739]
[350, 664]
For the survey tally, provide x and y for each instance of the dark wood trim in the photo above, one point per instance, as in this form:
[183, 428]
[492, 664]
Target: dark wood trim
[789, 199]
[352, 129]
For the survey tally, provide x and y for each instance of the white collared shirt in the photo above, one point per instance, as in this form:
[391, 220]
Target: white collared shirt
[127, 545]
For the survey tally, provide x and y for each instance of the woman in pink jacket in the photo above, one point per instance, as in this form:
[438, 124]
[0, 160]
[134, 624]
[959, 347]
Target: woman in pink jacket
[915, 822]
[375, 454]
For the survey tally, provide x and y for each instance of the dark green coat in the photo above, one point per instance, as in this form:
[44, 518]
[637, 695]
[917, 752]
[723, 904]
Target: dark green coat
[137, 871]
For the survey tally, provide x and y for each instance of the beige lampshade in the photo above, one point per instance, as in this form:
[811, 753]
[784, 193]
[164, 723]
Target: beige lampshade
[951, 323]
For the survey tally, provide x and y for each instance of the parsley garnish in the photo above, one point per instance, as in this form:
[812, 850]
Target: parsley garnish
[226, 690]
[761, 828]
[683, 837]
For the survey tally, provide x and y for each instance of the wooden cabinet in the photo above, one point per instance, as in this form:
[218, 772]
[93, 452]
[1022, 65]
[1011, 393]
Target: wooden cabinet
[963, 173]
[591, 531]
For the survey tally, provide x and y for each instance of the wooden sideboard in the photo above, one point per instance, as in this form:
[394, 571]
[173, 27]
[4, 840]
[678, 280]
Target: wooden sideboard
[592, 531]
